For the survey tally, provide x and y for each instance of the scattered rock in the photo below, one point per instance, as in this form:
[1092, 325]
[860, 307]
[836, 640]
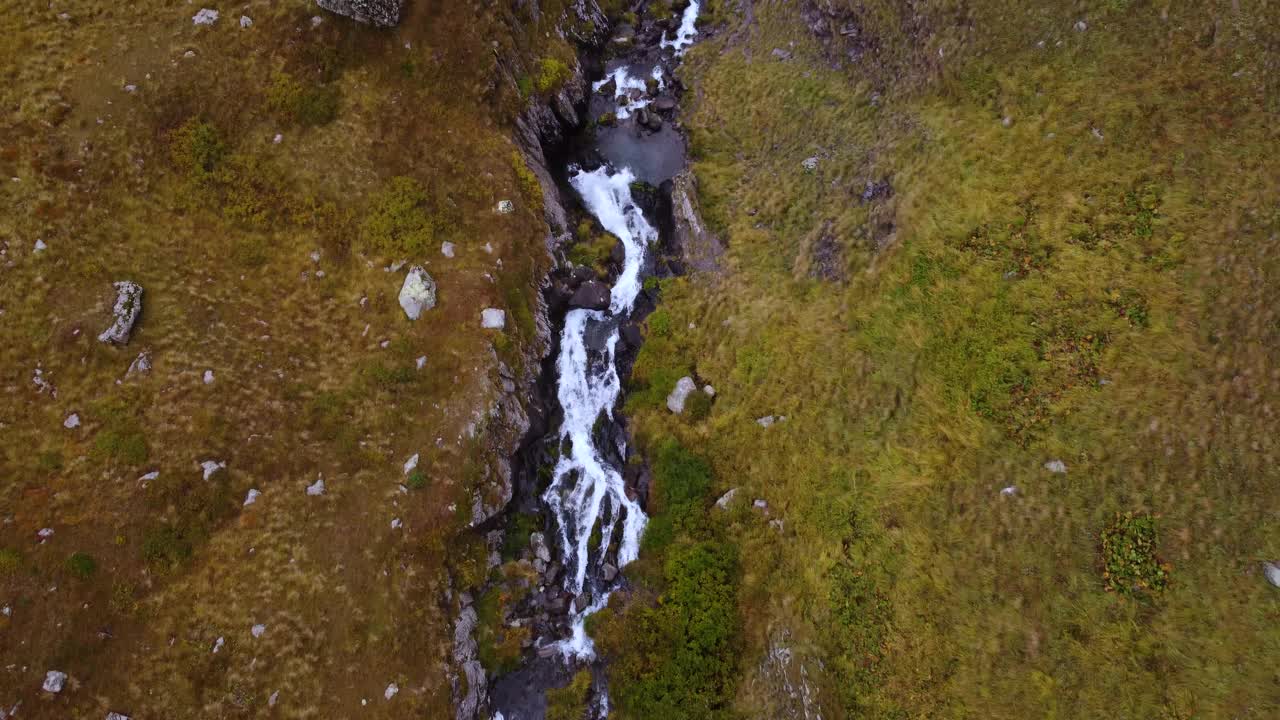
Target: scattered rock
[766, 421]
[421, 361]
[538, 543]
[506, 207]
[781, 54]
[493, 319]
[383, 13]
[258, 630]
[1056, 466]
[275, 698]
[127, 308]
[44, 533]
[209, 467]
[317, 487]
[1081, 26]
[117, 716]
[810, 163]
[725, 499]
[877, 190]
[760, 504]
[709, 391]
[205, 17]
[72, 422]
[208, 377]
[39, 247]
[410, 464]
[1272, 571]
[1009, 491]
[418, 292]
[1007, 121]
[144, 479]
[140, 364]
[391, 691]
[675, 401]
[54, 681]
[252, 497]
[217, 644]
[446, 249]
[592, 295]
[396, 524]
[246, 21]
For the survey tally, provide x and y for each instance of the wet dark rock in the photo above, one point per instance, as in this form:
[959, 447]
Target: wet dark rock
[382, 13]
[608, 572]
[581, 602]
[592, 295]
[665, 104]
[631, 335]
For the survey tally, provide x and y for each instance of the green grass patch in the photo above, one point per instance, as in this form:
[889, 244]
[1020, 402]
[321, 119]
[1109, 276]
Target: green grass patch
[81, 565]
[570, 701]
[402, 220]
[1130, 565]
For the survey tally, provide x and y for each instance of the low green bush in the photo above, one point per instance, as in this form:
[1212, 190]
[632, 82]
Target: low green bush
[82, 565]
[1130, 565]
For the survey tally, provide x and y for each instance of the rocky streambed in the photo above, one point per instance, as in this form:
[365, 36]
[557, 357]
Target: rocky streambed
[577, 486]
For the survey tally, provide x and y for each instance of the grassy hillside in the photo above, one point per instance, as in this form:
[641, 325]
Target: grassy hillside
[256, 180]
[1035, 249]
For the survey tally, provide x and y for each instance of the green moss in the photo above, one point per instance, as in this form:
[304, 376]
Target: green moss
[570, 702]
[530, 187]
[417, 480]
[552, 75]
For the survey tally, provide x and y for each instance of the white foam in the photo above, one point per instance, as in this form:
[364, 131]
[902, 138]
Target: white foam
[687, 31]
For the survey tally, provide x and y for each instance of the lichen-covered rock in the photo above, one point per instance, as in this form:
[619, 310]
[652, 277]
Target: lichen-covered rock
[382, 13]
[418, 292]
[126, 311]
[700, 248]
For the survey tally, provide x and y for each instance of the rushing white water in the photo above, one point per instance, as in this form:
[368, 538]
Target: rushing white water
[585, 489]
[687, 31]
[626, 84]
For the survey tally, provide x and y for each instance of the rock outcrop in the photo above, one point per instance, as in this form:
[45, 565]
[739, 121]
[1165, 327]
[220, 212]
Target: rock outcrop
[591, 295]
[418, 293]
[381, 13]
[125, 313]
[700, 247]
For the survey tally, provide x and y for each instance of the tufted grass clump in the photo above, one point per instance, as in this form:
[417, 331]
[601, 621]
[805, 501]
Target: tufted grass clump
[10, 561]
[82, 565]
[570, 701]
[197, 147]
[306, 105]
[552, 75]
[401, 220]
[1130, 565]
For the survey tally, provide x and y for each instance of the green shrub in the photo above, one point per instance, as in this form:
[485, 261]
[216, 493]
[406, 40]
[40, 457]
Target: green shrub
[400, 220]
[697, 406]
[196, 148]
[570, 702]
[417, 480]
[530, 188]
[165, 545]
[660, 323]
[552, 75]
[123, 445]
[499, 647]
[82, 565]
[308, 105]
[1130, 565]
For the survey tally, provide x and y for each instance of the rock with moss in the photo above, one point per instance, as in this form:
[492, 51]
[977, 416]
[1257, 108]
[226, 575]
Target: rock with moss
[124, 314]
[418, 294]
[381, 13]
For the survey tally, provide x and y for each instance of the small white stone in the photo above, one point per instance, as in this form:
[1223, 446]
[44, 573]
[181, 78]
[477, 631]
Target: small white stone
[421, 361]
[493, 319]
[1009, 491]
[209, 467]
[418, 293]
[766, 421]
[258, 630]
[410, 464]
[1056, 466]
[676, 398]
[396, 524]
[149, 476]
[1081, 26]
[39, 246]
[488, 248]
[316, 488]
[53, 681]
[316, 20]
[117, 716]
[131, 88]
[252, 497]
[6, 611]
[709, 391]
[506, 207]
[446, 249]
[1272, 571]
[72, 422]
[275, 698]
[208, 377]
[45, 533]
[217, 644]
[246, 21]
[810, 163]
[391, 691]
[205, 17]
[760, 505]
[277, 139]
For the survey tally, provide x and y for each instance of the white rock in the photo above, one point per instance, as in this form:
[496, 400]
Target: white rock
[252, 497]
[316, 20]
[53, 681]
[205, 17]
[39, 246]
[506, 207]
[275, 698]
[6, 611]
[391, 691]
[45, 533]
[131, 88]
[277, 139]
[675, 401]
[117, 716]
[217, 644]
[709, 391]
[766, 421]
[421, 362]
[418, 292]
[209, 467]
[760, 505]
[125, 313]
[396, 524]
[488, 248]
[810, 163]
[140, 364]
[1272, 571]
[246, 21]
[208, 377]
[725, 499]
[149, 476]
[258, 630]
[446, 249]
[1081, 26]
[1055, 466]
[493, 319]
[410, 464]
[1009, 491]
[72, 422]
[316, 488]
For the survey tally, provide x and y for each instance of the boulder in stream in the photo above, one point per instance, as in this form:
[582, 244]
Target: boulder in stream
[591, 295]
